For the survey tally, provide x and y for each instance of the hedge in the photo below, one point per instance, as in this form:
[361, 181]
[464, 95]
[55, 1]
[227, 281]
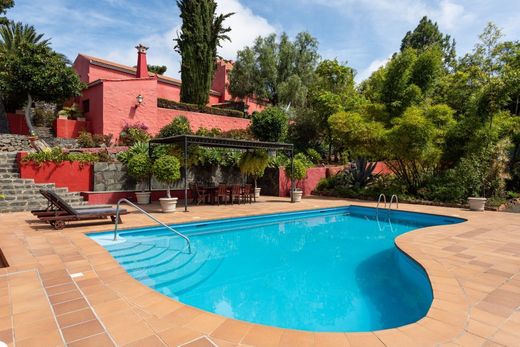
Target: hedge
[174, 105]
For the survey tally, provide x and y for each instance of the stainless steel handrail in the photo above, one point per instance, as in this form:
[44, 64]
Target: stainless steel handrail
[379, 200]
[392, 200]
[149, 216]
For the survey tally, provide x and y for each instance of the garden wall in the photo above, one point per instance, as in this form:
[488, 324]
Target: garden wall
[204, 120]
[275, 181]
[75, 176]
[69, 128]
[17, 124]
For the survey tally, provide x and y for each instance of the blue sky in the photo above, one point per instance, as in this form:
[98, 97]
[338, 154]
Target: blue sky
[363, 32]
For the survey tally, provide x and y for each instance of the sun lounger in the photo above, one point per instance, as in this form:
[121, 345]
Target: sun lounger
[58, 211]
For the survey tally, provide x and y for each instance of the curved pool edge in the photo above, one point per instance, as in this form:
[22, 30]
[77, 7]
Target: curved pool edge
[441, 324]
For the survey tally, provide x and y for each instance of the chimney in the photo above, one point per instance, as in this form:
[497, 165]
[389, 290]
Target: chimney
[142, 67]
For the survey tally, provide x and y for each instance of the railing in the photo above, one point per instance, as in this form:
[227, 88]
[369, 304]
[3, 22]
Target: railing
[383, 196]
[149, 216]
[392, 200]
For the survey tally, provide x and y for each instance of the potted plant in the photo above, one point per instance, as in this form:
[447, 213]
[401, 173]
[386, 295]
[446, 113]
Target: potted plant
[139, 167]
[300, 172]
[476, 203]
[253, 164]
[167, 170]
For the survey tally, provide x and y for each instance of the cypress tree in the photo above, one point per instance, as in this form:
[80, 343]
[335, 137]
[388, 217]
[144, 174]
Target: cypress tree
[201, 33]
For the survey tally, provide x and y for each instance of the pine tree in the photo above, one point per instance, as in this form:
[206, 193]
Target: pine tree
[201, 33]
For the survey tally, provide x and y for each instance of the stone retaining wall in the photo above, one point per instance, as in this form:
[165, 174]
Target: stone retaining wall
[14, 143]
[113, 177]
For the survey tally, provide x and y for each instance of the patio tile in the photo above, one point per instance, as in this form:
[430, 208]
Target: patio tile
[150, 341]
[75, 317]
[82, 330]
[99, 340]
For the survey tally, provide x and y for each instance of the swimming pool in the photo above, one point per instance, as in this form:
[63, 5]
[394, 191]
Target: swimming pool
[331, 270]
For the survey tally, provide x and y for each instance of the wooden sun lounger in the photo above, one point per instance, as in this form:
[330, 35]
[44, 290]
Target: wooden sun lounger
[58, 212]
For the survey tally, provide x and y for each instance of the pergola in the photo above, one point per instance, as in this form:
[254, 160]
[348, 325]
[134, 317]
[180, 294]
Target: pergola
[185, 141]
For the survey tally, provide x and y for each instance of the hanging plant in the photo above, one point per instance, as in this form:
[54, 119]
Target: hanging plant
[253, 164]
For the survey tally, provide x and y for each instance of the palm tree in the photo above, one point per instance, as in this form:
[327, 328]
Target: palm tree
[13, 36]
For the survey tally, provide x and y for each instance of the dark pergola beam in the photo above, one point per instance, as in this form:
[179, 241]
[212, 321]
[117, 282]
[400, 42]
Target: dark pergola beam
[217, 142]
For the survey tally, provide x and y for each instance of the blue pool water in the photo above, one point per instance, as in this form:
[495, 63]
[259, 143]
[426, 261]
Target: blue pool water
[321, 270]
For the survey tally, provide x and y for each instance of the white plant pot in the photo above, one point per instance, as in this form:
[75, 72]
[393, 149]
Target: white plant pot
[477, 204]
[257, 192]
[297, 195]
[143, 198]
[168, 204]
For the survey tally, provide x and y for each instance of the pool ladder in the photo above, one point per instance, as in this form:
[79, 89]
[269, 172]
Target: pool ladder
[149, 216]
[382, 197]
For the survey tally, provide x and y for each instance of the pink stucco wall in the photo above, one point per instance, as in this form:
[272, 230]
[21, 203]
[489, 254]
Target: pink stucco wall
[95, 115]
[204, 120]
[314, 175]
[120, 104]
[168, 91]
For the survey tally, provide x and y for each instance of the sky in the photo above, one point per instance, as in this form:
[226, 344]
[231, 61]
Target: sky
[363, 33]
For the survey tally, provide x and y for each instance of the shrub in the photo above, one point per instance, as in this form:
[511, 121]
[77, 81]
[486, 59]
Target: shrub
[270, 125]
[314, 156]
[137, 148]
[57, 155]
[139, 167]
[174, 105]
[178, 126]
[167, 170]
[87, 140]
[133, 133]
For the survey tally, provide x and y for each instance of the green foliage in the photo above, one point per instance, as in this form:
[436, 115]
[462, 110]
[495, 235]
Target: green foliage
[139, 167]
[29, 66]
[270, 125]
[253, 163]
[136, 148]
[174, 105]
[280, 71]
[57, 155]
[178, 126]
[201, 33]
[71, 112]
[427, 35]
[87, 140]
[157, 69]
[359, 136]
[134, 133]
[300, 166]
[313, 155]
[4, 5]
[167, 170]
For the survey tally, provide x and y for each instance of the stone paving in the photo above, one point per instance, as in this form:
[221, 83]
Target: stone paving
[474, 268]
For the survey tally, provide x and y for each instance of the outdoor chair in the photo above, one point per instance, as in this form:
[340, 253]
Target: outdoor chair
[59, 211]
[222, 193]
[236, 193]
[247, 194]
[200, 194]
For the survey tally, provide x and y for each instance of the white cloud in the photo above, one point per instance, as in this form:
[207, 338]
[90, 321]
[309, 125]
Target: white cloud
[374, 65]
[245, 27]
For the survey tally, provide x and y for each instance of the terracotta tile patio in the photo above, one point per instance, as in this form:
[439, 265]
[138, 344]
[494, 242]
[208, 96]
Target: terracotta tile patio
[474, 268]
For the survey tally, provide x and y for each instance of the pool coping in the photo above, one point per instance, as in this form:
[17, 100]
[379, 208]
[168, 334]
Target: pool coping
[447, 320]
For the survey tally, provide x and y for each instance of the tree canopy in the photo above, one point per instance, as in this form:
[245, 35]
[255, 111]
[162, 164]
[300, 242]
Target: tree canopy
[279, 70]
[4, 5]
[201, 33]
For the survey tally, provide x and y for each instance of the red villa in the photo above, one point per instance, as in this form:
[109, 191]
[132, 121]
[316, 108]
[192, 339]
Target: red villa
[119, 94]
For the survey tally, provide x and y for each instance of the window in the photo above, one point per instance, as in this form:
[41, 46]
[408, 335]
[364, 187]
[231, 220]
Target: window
[86, 105]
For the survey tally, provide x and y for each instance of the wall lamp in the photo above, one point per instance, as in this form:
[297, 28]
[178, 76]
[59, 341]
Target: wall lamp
[140, 99]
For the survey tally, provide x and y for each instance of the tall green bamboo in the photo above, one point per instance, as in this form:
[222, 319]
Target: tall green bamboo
[201, 33]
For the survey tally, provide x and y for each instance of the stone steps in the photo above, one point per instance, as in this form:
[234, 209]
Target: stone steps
[22, 194]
